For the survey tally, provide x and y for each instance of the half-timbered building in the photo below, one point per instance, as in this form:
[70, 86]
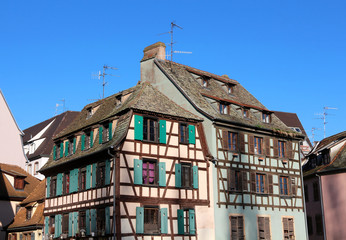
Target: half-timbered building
[257, 182]
[134, 165]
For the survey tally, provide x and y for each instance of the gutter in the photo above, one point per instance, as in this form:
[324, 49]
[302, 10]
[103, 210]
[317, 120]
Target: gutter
[322, 209]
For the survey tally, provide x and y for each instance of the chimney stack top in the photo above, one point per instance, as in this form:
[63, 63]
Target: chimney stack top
[156, 50]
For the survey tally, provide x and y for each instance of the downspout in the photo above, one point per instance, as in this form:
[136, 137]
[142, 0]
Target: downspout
[113, 156]
[303, 196]
[322, 209]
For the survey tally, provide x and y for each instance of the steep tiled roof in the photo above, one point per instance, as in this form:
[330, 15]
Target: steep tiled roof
[326, 141]
[7, 191]
[37, 195]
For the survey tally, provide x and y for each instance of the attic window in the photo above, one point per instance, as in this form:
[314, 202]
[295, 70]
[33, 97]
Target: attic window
[297, 129]
[246, 113]
[230, 88]
[89, 112]
[118, 100]
[266, 117]
[223, 108]
[204, 81]
[28, 213]
[19, 183]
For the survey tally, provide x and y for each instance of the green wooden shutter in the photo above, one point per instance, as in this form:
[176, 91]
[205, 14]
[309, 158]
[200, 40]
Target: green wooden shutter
[83, 142]
[110, 131]
[164, 220]
[139, 220]
[100, 134]
[72, 181]
[93, 220]
[21, 236]
[91, 138]
[46, 225]
[178, 175]
[54, 152]
[180, 214]
[60, 224]
[138, 127]
[74, 145]
[61, 149]
[66, 148]
[87, 221]
[195, 176]
[108, 172]
[93, 183]
[88, 177]
[56, 224]
[192, 221]
[138, 171]
[59, 184]
[76, 179]
[70, 221]
[75, 222]
[108, 220]
[32, 236]
[163, 131]
[192, 134]
[162, 174]
[48, 187]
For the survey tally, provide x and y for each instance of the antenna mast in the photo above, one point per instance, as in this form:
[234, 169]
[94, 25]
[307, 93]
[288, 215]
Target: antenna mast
[171, 32]
[324, 117]
[103, 74]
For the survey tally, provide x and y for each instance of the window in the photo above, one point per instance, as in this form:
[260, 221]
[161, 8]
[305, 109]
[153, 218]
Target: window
[316, 191]
[19, 183]
[66, 183]
[186, 221]
[258, 145]
[30, 168]
[284, 185]
[87, 141]
[149, 172]
[151, 220]
[266, 117]
[230, 89]
[263, 224]
[306, 193]
[236, 180]
[65, 223]
[230, 140]
[105, 133]
[82, 220]
[223, 108]
[36, 168]
[118, 100]
[281, 148]
[82, 179]
[245, 113]
[204, 81]
[53, 186]
[261, 183]
[28, 213]
[310, 229]
[70, 146]
[58, 150]
[17, 208]
[51, 224]
[237, 227]
[150, 130]
[183, 133]
[89, 112]
[288, 227]
[186, 175]
[101, 174]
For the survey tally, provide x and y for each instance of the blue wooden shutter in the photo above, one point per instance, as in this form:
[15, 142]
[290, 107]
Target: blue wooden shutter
[138, 171]
[56, 224]
[21, 236]
[87, 221]
[93, 183]
[61, 149]
[48, 187]
[54, 152]
[72, 181]
[108, 172]
[138, 127]
[93, 220]
[75, 222]
[178, 175]
[32, 236]
[162, 131]
[70, 222]
[192, 221]
[46, 225]
[192, 134]
[110, 131]
[91, 138]
[180, 214]
[164, 220]
[162, 174]
[195, 176]
[59, 184]
[74, 145]
[100, 134]
[139, 220]
[66, 148]
[83, 142]
[108, 220]
[88, 177]
[76, 179]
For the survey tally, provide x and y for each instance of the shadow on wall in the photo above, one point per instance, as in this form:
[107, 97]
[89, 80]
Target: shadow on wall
[6, 211]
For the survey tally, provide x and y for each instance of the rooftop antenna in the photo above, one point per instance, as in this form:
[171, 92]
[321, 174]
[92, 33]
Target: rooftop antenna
[324, 117]
[103, 75]
[57, 105]
[313, 134]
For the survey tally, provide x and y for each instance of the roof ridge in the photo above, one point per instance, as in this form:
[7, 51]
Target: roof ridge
[335, 157]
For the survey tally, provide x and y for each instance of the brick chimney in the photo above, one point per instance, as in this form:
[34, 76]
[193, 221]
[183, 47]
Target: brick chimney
[156, 50]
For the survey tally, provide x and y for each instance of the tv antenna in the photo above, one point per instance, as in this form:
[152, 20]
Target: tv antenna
[313, 134]
[324, 117]
[57, 105]
[103, 75]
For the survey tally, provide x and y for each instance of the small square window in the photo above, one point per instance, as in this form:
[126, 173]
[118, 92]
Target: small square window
[89, 112]
[223, 108]
[246, 113]
[28, 213]
[19, 183]
[266, 118]
[230, 89]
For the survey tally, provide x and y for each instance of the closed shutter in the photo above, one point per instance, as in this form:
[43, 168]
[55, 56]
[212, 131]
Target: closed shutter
[100, 134]
[276, 151]
[253, 181]
[83, 142]
[178, 175]
[286, 228]
[74, 145]
[195, 176]
[267, 146]
[21, 236]
[32, 236]
[46, 225]
[93, 220]
[48, 187]
[289, 150]
[192, 221]
[162, 174]
[291, 227]
[224, 139]
[59, 184]
[241, 143]
[138, 127]
[232, 186]
[88, 177]
[54, 152]
[192, 134]
[162, 131]
[61, 149]
[70, 224]
[251, 145]
[261, 232]
[270, 183]
[108, 220]
[267, 228]
[240, 227]
[234, 228]
[94, 170]
[75, 222]
[139, 220]
[180, 214]
[108, 172]
[91, 138]
[66, 148]
[110, 131]
[87, 221]
[164, 220]
[138, 171]
[244, 178]
[293, 186]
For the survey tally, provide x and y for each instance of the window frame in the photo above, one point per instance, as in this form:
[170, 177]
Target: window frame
[51, 229]
[238, 181]
[156, 176]
[29, 211]
[288, 236]
[282, 149]
[261, 185]
[65, 223]
[240, 221]
[53, 181]
[82, 219]
[183, 133]
[245, 113]
[87, 140]
[184, 181]
[70, 146]
[266, 117]
[223, 108]
[66, 183]
[148, 127]
[82, 179]
[258, 145]
[105, 133]
[36, 167]
[101, 174]
[265, 217]
[157, 230]
[285, 188]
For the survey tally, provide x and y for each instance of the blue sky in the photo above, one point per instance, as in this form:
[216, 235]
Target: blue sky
[290, 55]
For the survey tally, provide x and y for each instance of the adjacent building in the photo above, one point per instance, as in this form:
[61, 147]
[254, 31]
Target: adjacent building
[324, 184]
[38, 141]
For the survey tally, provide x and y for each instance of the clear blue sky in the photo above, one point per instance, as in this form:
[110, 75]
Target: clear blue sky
[291, 55]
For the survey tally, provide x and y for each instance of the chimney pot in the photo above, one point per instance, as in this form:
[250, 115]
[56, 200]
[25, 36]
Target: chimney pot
[156, 50]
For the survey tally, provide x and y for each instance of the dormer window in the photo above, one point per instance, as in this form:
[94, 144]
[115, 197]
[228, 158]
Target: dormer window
[230, 88]
[19, 183]
[118, 99]
[266, 117]
[223, 108]
[28, 213]
[89, 112]
[246, 113]
[204, 82]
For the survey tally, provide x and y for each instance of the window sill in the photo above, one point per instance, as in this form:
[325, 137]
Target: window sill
[286, 196]
[262, 194]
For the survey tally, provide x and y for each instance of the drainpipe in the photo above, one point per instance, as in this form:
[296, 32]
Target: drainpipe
[322, 209]
[303, 195]
[113, 156]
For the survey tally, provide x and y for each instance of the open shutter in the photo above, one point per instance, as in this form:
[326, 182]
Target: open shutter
[139, 220]
[74, 144]
[91, 138]
[260, 222]
[231, 180]
[180, 214]
[195, 176]
[251, 145]
[162, 131]
[138, 127]
[59, 184]
[241, 143]
[253, 181]
[88, 177]
[293, 186]
[32, 236]
[75, 222]
[108, 172]
[110, 131]
[83, 142]
[138, 171]
[100, 134]
[46, 225]
[93, 220]
[76, 179]
[164, 221]
[267, 146]
[244, 178]
[162, 174]
[94, 168]
[276, 150]
[66, 148]
[48, 187]
[56, 224]
[72, 181]
[178, 175]
[87, 221]
[70, 224]
[54, 152]
[192, 221]
[270, 183]
[107, 220]
[289, 150]
[192, 134]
